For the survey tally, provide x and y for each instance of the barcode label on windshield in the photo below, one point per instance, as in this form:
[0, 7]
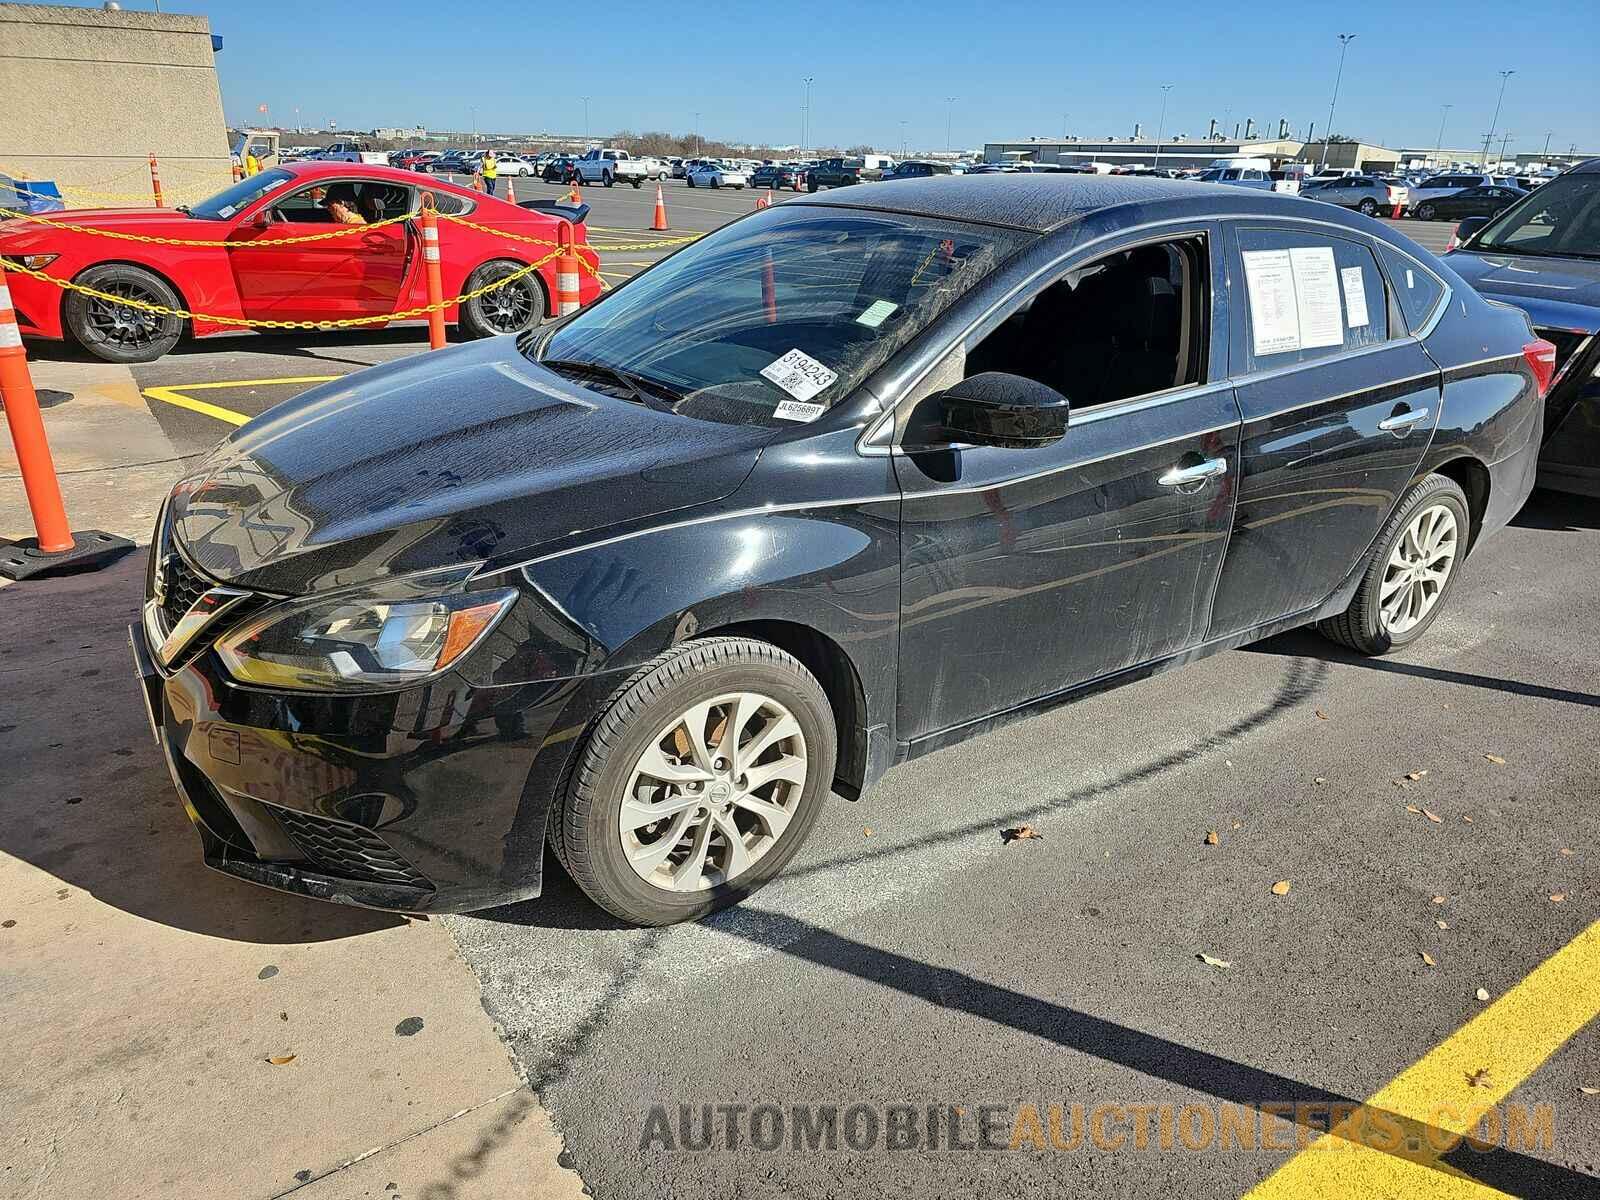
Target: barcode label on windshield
[799, 374]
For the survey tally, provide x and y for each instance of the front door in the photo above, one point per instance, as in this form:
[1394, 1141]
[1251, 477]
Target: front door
[1028, 572]
[359, 274]
[1339, 404]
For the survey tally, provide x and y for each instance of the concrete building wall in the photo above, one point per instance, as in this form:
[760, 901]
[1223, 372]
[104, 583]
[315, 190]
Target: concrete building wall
[86, 95]
[1347, 155]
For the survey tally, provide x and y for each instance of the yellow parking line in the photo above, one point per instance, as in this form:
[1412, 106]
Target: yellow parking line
[174, 394]
[1506, 1041]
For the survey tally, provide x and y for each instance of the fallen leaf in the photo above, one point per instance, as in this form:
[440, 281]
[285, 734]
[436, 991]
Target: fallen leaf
[1564, 852]
[1215, 962]
[1211, 837]
[1466, 818]
[1321, 716]
[1320, 780]
[283, 1016]
[279, 1060]
[1020, 834]
[1438, 899]
[1428, 958]
[866, 831]
[1412, 808]
[1479, 1078]
[1415, 775]
[1238, 824]
[1589, 1091]
[1496, 759]
[1558, 897]
[1433, 816]
[1281, 888]
[1482, 993]
[1440, 923]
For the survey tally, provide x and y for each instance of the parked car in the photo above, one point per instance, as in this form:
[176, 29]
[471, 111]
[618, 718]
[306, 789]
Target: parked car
[917, 169]
[840, 172]
[240, 271]
[563, 168]
[513, 164]
[424, 161]
[1542, 254]
[1374, 197]
[775, 176]
[453, 162]
[1247, 177]
[1469, 202]
[716, 175]
[1436, 187]
[655, 581]
[607, 166]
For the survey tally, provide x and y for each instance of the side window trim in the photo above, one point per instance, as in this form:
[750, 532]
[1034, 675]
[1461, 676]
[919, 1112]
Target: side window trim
[1436, 314]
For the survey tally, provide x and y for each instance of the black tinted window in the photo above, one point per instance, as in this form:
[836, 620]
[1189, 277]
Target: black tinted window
[1308, 296]
[1416, 289]
[1562, 217]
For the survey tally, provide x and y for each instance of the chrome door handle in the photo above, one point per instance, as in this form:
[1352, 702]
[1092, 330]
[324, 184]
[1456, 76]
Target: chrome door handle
[1199, 473]
[1402, 422]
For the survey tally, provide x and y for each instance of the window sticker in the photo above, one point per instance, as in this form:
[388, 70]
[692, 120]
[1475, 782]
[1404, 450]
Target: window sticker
[1274, 318]
[796, 410]
[1355, 296]
[799, 374]
[1316, 294]
[1411, 279]
[876, 313]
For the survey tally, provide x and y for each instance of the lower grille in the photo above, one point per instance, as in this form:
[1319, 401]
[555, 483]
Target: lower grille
[347, 851]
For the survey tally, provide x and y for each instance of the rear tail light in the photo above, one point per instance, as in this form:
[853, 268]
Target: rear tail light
[1541, 356]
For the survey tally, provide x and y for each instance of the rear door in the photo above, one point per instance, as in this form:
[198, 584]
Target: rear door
[1339, 404]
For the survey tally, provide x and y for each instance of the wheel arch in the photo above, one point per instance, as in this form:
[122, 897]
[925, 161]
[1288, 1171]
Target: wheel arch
[1472, 477]
[166, 278]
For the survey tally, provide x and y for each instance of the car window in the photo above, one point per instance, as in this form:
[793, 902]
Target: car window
[1308, 296]
[1417, 290]
[1562, 217]
[452, 205]
[1128, 324]
[775, 318]
[234, 199]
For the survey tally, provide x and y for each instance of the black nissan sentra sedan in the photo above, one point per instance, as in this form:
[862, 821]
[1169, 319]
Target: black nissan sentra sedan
[846, 481]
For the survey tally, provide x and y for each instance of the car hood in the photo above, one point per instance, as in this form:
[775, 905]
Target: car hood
[1555, 292]
[473, 454]
[162, 222]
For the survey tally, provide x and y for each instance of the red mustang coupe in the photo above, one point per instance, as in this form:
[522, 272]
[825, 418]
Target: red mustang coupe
[248, 264]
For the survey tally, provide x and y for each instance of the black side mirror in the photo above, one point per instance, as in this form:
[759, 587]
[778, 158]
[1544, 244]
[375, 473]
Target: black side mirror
[996, 409]
[1469, 227]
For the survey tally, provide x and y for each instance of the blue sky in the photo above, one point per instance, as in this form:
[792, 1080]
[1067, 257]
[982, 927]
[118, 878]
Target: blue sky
[1015, 69]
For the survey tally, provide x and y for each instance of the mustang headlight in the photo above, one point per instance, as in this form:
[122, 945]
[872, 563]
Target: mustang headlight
[358, 643]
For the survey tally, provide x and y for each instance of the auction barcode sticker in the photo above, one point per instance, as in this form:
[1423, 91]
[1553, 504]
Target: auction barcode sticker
[799, 374]
[798, 410]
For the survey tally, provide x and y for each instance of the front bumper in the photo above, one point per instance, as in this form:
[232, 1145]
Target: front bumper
[432, 799]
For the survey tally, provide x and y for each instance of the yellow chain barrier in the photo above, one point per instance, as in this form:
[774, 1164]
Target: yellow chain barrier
[147, 195]
[341, 231]
[246, 322]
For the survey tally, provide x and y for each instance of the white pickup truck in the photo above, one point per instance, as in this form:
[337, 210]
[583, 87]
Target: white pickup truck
[607, 166]
[356, 152]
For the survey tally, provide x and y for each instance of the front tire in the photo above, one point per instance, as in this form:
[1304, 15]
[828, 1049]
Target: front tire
[715, 182]
[636, 183]
[608, 180]
[509, 309]
[1369, 206]
[121, 333]
[691, 181]
[1410, 571]
[1425, 212]
[698, 782]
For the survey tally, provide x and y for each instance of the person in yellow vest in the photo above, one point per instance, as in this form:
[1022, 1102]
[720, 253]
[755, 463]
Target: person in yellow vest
[491, 172]
[252, 164]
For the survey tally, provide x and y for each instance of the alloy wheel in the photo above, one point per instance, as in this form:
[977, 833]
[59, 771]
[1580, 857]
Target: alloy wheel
[123, 324]
[1419, 566]
[713, 792]
[508, 309]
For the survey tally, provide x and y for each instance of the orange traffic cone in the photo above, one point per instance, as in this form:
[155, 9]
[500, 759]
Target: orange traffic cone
[568, 298]
[511, 190]
[477, 182]
[661, 210]
[764, 200]
[576, 197]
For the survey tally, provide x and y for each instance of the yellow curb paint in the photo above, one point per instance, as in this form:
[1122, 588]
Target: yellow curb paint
[1510, 1040]
[176, 394]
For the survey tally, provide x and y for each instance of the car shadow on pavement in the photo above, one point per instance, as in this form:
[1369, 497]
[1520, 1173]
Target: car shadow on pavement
[1305, 1105]
[87, 797]
[1563, 512]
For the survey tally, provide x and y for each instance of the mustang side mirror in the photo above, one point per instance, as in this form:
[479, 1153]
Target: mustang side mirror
[1469, 227]
[996, 409]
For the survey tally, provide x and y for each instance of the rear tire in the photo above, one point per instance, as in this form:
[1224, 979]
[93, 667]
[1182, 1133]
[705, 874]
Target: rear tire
[1379, 618]
[118, 333]
[636, 182]
[516, 307]
[691, 181]
[773, 695]
[1369, 206]
[1425, 212]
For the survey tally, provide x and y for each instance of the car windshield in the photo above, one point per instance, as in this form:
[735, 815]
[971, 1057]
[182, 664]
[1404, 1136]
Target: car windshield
[231, 200]
[1561, 218]
[785, 311]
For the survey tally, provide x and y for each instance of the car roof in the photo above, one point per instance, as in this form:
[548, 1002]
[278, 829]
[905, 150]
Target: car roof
[1045, 202]
[1589, 166]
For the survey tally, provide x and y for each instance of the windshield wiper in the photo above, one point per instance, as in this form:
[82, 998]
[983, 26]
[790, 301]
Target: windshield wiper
[627, 379]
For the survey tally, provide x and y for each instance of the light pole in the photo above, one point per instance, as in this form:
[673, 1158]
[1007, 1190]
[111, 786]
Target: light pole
[805, 115]
[903, 151]
[1064, 117]
[949, 113]
[699, 146]
[1161, 125]
[1546, 152]
[1488, 139]
[474, 111]
[1344, 44]
[1504, 142]
[1444, 113]
[585, 100]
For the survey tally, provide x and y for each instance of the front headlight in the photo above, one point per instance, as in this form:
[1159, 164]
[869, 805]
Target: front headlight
[360, 644]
